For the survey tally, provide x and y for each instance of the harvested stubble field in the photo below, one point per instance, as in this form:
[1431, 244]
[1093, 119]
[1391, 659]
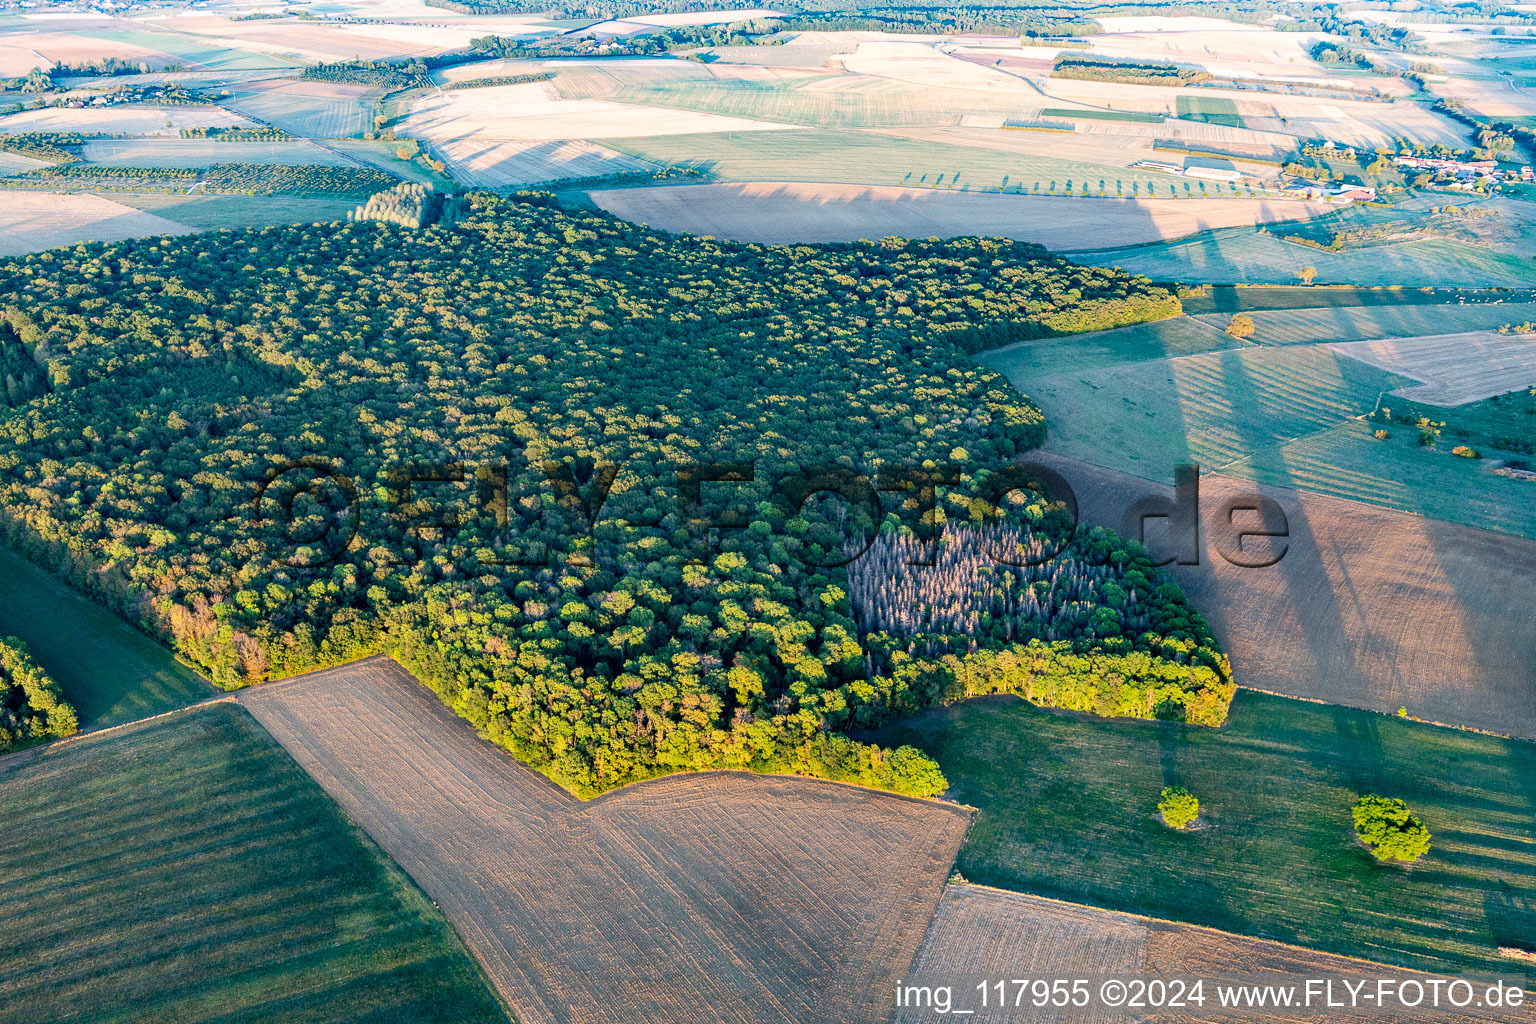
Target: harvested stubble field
[1456, 368]
[985, 934]
[535, 112]
[32, 221]
[712, 898]
[109, 671]
[1369, 607]
[1367, 323]
[1066, 808]
[125, 119]
[795, 212]
[185, 869]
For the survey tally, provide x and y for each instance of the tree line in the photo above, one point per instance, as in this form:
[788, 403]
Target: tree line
[32, 707]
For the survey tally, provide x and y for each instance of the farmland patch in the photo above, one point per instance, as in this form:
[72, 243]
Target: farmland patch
[1369, 607]
[109, 671]
[1455, 368]
[125, 119]
[1277, 858]
[711, 898]
[533, 112]
[785, 212]
[187, 870]
[982, 933]
[31, 221]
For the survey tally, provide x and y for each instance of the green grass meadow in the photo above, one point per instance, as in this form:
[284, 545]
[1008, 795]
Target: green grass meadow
[1079, 353]
[1277, 409]
[1245, 256]
[1067, 809]
[109, 671]
[1215, 409]
[1346, 461]
[188, 870]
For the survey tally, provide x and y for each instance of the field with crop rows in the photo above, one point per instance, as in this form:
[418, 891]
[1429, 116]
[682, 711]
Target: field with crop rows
[109, 671]
[322, 110]
[1213, 409]
[1456, 368]
[822, 101]
[1367, 607]
[187, 870]
[1279, 414]
[496, 164]
[983, 934]
[1347, 461]
[717, 898]
[1278, 858]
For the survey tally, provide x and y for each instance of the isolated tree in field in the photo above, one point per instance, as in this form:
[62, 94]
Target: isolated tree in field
[1308, 274]
[1241, 326]
[1389, 829]
[1178, 807]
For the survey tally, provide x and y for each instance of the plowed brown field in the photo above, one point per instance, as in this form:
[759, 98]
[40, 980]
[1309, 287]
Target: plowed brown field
[712, 898]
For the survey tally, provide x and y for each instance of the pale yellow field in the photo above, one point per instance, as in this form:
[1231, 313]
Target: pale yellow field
[534, 112]
[126, 119]
[1455, 368]
[1489, 98]
[32, 221]
[331, 41]
[803, 212]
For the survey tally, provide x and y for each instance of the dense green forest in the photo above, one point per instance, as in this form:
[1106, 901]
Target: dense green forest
[493, 448]
[32, 707]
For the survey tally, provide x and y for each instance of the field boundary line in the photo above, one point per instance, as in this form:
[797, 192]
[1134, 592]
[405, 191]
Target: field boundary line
[964, 810]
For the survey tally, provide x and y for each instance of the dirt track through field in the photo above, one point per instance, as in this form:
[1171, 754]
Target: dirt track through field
[711, 898]
[1368, 607]
[987, 934]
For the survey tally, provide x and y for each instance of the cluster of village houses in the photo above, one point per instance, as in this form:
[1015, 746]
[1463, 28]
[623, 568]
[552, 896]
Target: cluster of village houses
[1464, 175]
